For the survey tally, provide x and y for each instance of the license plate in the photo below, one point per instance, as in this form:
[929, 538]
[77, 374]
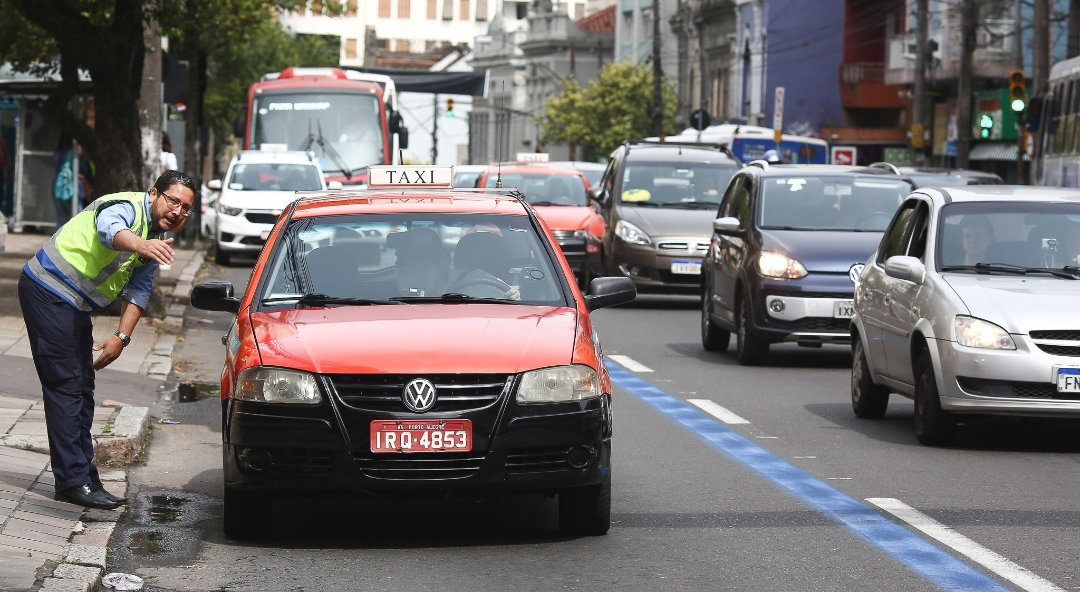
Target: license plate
[264, 234]
[686, 266]
[843, 309]
[1068, 380]
[424, 435]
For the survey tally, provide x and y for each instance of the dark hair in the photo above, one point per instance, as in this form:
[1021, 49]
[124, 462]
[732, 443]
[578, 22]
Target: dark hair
[166, 143]
[978, 221]
[170, 178]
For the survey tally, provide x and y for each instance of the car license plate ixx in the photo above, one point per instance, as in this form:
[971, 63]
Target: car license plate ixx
[1068, 380]
[421, 435]
[843, 309]
[686, 266]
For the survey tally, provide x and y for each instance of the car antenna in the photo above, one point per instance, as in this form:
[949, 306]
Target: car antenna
[498, 156]
[400, 156]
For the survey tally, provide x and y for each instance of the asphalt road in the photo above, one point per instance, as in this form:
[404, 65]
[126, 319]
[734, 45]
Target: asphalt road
[776, 503]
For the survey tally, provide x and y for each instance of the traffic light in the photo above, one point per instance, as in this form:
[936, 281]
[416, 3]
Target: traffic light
[449, 106]
[986, 123]
[1017, 91]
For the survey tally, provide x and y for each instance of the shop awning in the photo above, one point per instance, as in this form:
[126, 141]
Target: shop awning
[1006, 151]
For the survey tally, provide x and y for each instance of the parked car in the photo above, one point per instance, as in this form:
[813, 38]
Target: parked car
[258, 185]
[788, 242]
[942, 177]
[466, 175]
[658, 200]
[969, 306]
[208, 211]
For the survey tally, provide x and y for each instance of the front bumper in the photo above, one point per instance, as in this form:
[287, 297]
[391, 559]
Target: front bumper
[1004, 382]
[651, 266]
[516, 448]
[245, 232]
[802, 310]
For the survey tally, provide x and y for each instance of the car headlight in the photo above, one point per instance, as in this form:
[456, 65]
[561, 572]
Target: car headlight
[780, 266]
[973, 332]
[558, 385]
[229, 210]
[631, 234]
[275, 385]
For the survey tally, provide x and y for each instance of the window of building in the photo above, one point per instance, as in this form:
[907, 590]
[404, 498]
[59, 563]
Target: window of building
[522, 10]
[463, 14]
[352, 8]
[402, 46]
[579, 10]
[481, 10]
[448, 10]
[403, 9]
[350, 49]
[384, 8]
[432, 9]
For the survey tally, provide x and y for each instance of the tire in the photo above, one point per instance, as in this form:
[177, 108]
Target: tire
[586, 511]
[750, 349]
[248, 514]
[221, 256]
[868, 400]
[713, 338]
[933, 425]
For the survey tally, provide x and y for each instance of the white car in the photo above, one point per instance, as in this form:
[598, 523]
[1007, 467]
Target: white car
[258, 186]
[208, 211]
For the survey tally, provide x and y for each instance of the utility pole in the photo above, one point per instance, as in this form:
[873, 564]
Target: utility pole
[1041, 47]
[1021, 148]
[1073, 46]
[917, 115]
[969, 13]
[657, 72]
[435, 129]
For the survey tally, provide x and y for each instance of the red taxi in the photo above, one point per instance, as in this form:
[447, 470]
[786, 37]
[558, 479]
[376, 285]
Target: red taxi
[559, 194]
[414, 338]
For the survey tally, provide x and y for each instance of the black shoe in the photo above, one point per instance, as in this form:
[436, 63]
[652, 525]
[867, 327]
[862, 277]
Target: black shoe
[99, 488]
[83, 495]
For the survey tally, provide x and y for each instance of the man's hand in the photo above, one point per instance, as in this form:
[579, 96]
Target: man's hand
[158, 250]
[112, 347]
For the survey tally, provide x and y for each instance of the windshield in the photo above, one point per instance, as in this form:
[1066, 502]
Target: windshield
[662, 184]
[349, 123]
[275, 177]
[545, 189]
[593, 176]
[932, 180]
[810, 202]
[413, 258]
[1030, 234]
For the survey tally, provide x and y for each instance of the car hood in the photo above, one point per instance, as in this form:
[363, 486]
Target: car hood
[822, 251]
[565, 217]
[417, 338]
[670, 221]
[257, 200]
[1019, 304]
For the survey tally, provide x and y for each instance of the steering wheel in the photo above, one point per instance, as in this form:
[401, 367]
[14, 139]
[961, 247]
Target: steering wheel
[482, 281]
[864, 221]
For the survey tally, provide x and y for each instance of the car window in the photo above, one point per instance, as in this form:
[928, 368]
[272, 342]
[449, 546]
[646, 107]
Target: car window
[381, 256]
[673, 184]
[921, 229]
[893, 242]
[274, 177]
[842, 203]
[545, 189]
[1025, 234]
[737, 201]
[466, 179]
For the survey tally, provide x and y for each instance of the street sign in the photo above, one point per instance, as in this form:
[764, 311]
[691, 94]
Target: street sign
[778, 109]
[700, 119]
[843, 155]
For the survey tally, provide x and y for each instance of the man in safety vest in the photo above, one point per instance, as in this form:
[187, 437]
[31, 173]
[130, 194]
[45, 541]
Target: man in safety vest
[112, 248]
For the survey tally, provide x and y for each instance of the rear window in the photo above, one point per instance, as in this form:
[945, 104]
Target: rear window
[810, 202]
[545, 190]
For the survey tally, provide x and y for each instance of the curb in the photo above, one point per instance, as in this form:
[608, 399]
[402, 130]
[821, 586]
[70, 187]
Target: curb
[182, 290]
[123, 442]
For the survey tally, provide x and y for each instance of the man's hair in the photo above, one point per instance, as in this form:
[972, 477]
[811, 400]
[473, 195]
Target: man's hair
[170, 178]
[978, 221]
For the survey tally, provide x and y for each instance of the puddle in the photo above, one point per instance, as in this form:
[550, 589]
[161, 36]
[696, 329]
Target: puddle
[190, 391]
[149, 543]
[166, 509]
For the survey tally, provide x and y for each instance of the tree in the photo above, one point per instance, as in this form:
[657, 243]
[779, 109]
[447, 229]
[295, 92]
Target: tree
[613, 108]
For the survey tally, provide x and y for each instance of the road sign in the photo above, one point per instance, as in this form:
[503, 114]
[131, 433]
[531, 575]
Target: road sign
[843, 155]
[778, 109]
[700, 119]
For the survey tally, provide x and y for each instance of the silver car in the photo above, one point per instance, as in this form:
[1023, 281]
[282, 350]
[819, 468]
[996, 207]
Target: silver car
[969, 306]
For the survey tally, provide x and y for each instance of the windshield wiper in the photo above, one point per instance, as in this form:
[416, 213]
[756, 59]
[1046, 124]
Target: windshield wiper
[316, 299]
[327, 149]
[1067, 272]
[451, 297]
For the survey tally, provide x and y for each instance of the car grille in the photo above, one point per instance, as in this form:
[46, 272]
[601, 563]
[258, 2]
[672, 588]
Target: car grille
[301, 461]
[1060, 350]
[701, 247]
[1056, 335]
[414, 467]
[456, 392]
[1012, 389]
[261, 218]
[814, 324]
[253, 241]
[538, 460]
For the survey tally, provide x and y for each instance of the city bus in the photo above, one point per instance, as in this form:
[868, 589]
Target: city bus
[1058, 134]
[751, 142]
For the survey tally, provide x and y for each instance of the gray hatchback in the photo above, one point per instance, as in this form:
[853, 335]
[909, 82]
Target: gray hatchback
[969, 306]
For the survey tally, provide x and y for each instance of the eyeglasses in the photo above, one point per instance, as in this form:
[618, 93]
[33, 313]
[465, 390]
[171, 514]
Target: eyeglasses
[176, 204]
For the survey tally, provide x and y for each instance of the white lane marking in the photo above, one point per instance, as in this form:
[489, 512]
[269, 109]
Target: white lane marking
[1001, 566]
[839, 478]
[805, 457]
[716, 411]
[766, 437]
[630, 363]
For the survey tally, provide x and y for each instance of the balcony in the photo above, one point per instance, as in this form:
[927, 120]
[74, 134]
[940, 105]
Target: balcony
[862, 85]
[993, 59]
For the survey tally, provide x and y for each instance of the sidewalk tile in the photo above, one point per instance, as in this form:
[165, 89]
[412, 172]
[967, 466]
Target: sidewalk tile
[43, 519]
[17, 571]
[33, 535]
[39, 527]
[37, 498]
[27, 454]
[32, 545]
[51, 512]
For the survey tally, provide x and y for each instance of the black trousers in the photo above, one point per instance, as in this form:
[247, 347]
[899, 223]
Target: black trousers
[62, 341]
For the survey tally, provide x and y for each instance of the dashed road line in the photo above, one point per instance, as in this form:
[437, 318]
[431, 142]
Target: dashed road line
[1001, 566]
[716, 411]
[629, 363]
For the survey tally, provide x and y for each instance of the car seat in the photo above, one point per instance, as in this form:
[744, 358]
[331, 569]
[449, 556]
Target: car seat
[251, 179]
[482, 250]
[559, 191]
[333, 271]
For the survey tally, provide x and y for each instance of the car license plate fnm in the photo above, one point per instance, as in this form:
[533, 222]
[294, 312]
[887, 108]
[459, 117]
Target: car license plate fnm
[686, 266]
[1068, 380]
[421, 435]
[843, 309]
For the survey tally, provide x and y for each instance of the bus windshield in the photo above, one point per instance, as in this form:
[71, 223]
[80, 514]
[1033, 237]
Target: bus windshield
[349, 123]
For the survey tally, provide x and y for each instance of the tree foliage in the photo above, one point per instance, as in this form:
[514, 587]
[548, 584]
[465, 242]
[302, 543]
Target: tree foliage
[614, 107]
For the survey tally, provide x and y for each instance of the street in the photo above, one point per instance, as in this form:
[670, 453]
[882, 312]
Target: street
[772, 497]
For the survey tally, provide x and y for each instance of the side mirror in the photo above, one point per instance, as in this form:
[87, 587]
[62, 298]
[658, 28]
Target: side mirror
[905, 268]
[214, 185]
[598, 194]
[334, 185]
[403, 138]
[396, 123]
[610, 291]
[215, 296]
[726, 225]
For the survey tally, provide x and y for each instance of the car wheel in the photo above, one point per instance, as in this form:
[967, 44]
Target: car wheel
[750, 350]
[221, 256]
[586, 510]
[713, 338]
[248, 514]
[869, 400]
[933, 425]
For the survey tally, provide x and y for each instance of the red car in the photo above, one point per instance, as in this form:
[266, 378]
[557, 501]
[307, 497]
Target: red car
[560, 196]
[414, 340]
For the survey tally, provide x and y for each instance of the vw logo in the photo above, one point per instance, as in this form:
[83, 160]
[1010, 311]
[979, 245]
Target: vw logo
[419, 395]
[855, 272]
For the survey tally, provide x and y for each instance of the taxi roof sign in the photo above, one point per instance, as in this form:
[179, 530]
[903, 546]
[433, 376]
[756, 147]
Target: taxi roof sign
[390, 177]
[532, 157]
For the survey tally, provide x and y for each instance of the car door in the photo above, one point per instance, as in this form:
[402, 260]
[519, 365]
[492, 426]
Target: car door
[730, 250]
[607, 207]
[874, 293]
[900, 313]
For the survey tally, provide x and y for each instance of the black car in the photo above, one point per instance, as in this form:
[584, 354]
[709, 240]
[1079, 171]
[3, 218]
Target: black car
[788, 242]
